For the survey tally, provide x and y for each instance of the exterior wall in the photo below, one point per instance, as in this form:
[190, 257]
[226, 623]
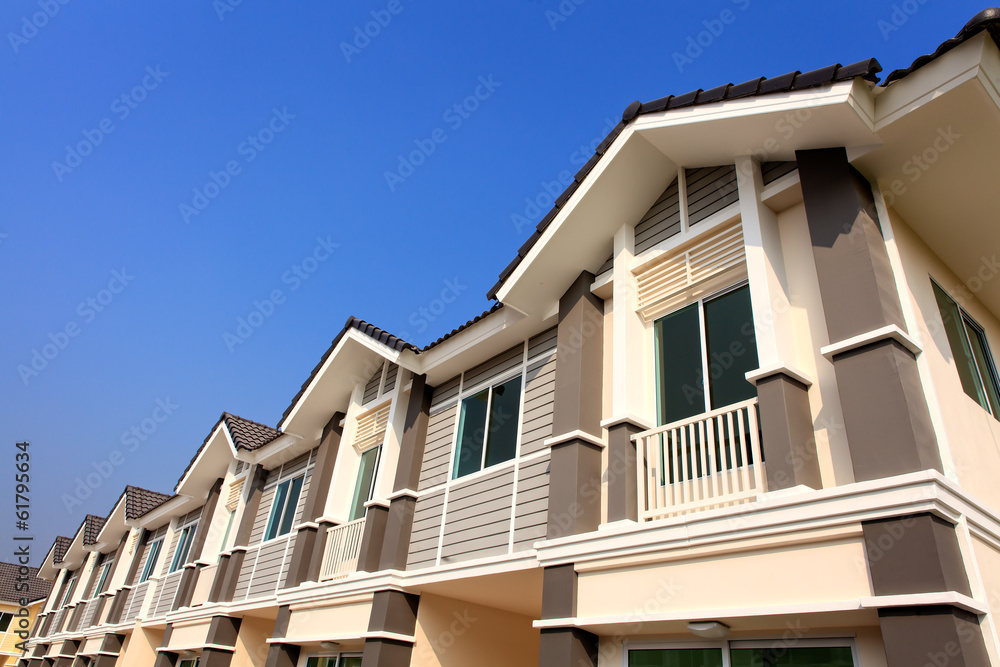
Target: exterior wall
[987, 557]
[140, 649]
[972, 434]
[9, 640]
[266, 563]
[810, 573]
[454, 633]
[501, 509]
[251, 643]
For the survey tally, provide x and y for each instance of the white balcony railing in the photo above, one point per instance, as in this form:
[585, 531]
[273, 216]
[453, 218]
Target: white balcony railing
[343, 546]
[711, 460]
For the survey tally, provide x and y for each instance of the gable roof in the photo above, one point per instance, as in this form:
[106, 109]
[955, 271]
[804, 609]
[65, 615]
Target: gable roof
[139, 501]
[247, 434]
[792, 81]
[10, 580]
[92, 525]
[60, 547]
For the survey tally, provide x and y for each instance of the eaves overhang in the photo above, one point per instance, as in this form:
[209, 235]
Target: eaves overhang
[646, 157]
[177, 505]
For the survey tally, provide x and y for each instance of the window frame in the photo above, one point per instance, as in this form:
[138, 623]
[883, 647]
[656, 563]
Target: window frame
[337, 657]
[465, 394]
[9, 618]
[357, 481]
[728, 645]
[152, 557]
[968, 322]
[706, 368]
[183, 548]
[277, 519]
[74, 579]
[103, 576]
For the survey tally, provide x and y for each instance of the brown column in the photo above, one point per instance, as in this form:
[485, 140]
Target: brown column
[228, 572]
[886, 417]
[282, 655]
[100, 603]
[304, 565]
[920, 554]
[110, 649]
[373, 538]
[121, 595]
[399, 522]
[393, 612]
[623, 495]
[789, 441]
[564, 647]
[575, 479]
[189, 578]
[166, 658]
[222, 634]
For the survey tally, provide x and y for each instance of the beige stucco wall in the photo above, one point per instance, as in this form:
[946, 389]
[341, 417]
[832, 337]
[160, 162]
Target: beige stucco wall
[251, 644]
[988, 562]
[140, 651]
[453, 633]
[809, 574]
[972, 434]
[343, 620]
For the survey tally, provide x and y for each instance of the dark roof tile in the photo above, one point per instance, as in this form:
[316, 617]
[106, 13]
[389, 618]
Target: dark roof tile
[139, 501]
[714, 95]
[816, 77]
[685, 100]
[496, 306]
[586, 168]
[92, 525]
[60, 547]
[744, 89]
[247, 434]
[777, 84]
[988, 20]
[11, 580]
[567, 193]
[656, 105]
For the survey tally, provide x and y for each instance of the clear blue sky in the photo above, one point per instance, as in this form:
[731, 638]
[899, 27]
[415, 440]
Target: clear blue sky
[307, 129]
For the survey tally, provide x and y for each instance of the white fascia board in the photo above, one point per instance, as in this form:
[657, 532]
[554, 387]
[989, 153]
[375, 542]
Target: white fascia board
[283, 442]
[312, 385]
[588, 183]
[104, 537]
[204, 452]
[469, 338]
[167, 510]
[961, 64]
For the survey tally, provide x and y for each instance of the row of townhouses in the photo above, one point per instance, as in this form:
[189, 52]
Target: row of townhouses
[735, 405]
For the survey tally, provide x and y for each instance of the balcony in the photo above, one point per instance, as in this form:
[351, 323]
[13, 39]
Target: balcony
[710, 460]
[343, 546]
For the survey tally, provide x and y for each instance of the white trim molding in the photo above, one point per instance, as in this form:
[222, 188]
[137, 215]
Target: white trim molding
[888, 332]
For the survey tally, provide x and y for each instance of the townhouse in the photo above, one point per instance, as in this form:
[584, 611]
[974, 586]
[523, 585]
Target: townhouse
[735, 405]
[22, 594]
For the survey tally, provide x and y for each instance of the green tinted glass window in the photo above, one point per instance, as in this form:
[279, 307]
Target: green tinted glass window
[687, 657]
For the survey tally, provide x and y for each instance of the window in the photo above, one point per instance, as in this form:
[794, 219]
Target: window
[286, 498]
[365, 486]
[334, 661]
[229, 527]
[154, 555]
[487, 427]
[774, 653]
[188, 662]
[971, 351]
[70, 587]
[703, 352]
[5, 620]
[105, 570]
[183, 547]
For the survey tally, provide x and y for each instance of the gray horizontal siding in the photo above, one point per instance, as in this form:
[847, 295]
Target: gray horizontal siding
[437, 451]
[609, 264]
[531, 515]
[263, 511]
[426, 531]
[371, 389]
[243, 583]
[390, 378]
[269, 565]
[498, 365]
[135, 600]
[542, 343]
[478, 517]
[539, 392]
[166, 592]
[709, 190]
[772, 171]
[662, 220]
[446, 391]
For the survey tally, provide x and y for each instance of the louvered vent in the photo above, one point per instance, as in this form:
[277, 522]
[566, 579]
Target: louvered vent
[235, 490]
[705, 266]
[371, 427]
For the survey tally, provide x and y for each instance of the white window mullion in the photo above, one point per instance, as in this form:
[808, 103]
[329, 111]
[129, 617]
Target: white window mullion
[486, 427]
[704, 355]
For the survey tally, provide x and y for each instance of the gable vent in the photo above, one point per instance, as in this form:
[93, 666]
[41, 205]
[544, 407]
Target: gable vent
[371, 427]
[235, 490]
[708, 265]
